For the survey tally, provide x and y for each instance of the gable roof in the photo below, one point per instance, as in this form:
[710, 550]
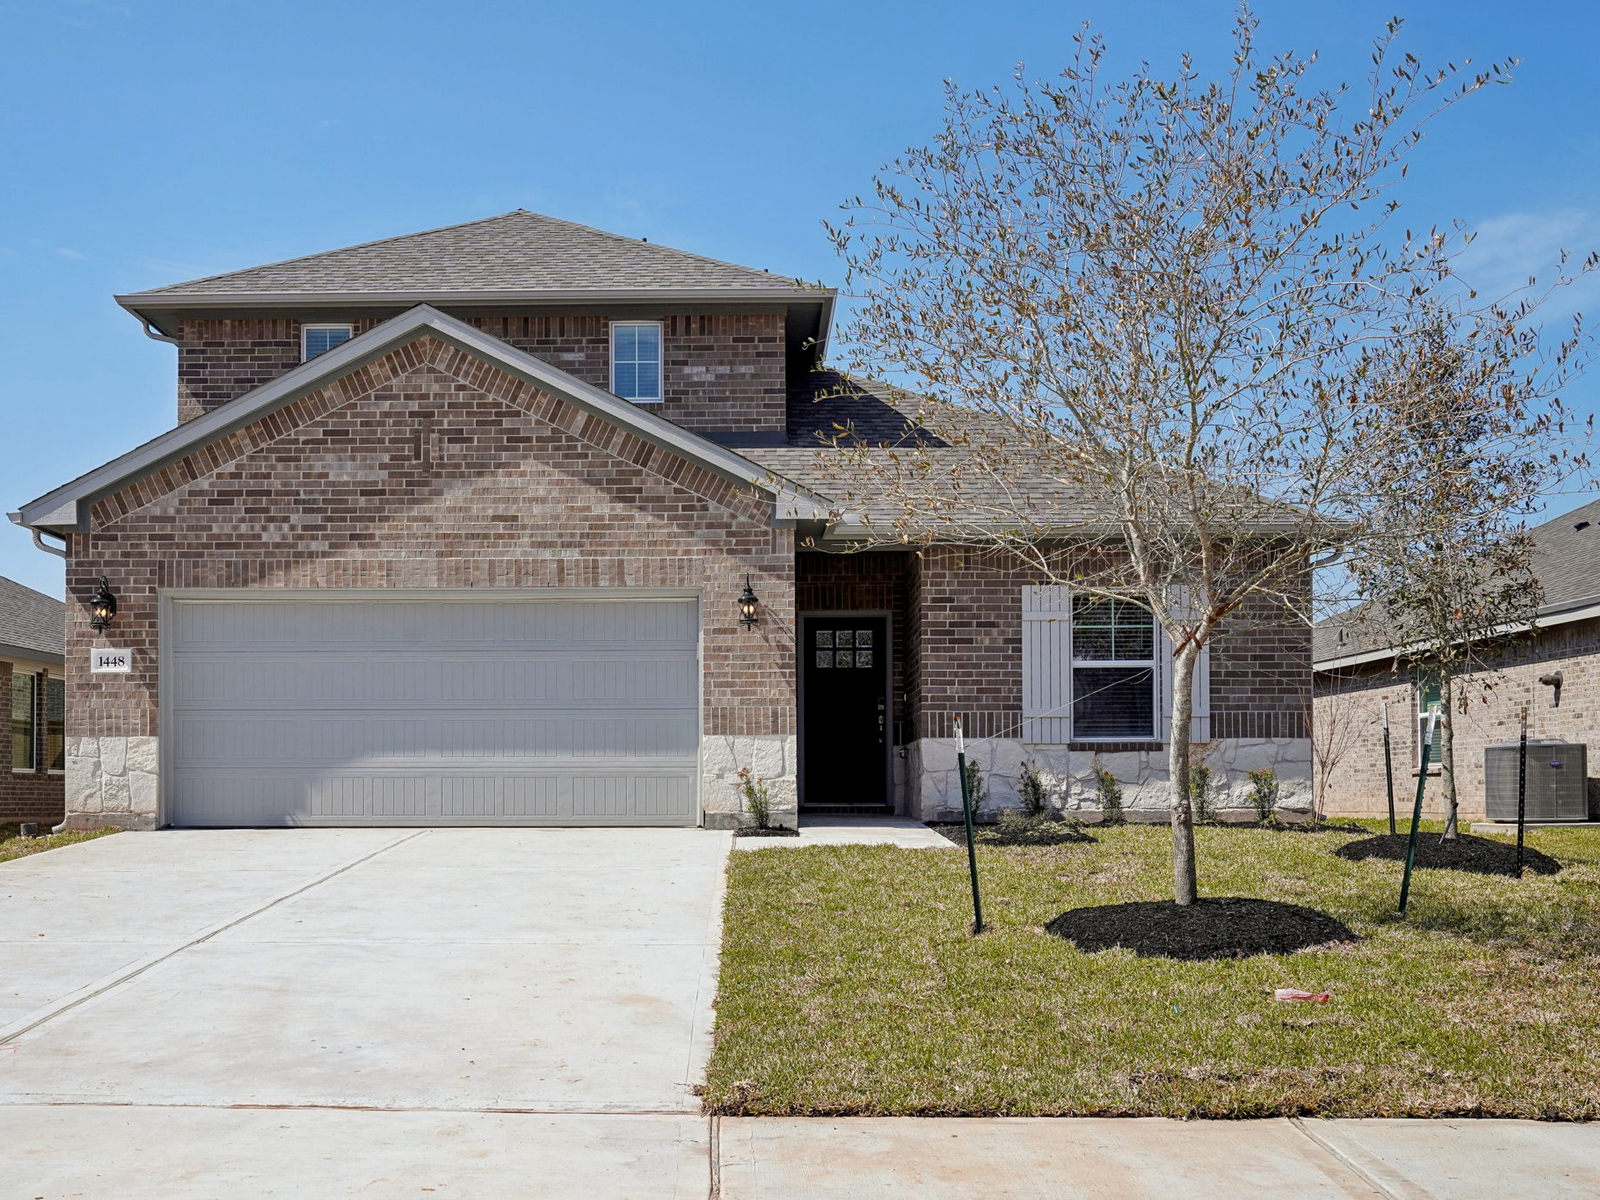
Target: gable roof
[516, 256]
[66, 507]
[32, 625]
[1565, 559]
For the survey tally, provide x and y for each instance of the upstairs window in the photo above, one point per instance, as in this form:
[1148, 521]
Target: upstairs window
[24, 721]
[636, 361]
[319, 339]
[1113, 669]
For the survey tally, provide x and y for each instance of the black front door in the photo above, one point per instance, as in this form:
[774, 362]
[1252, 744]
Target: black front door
[844, 742]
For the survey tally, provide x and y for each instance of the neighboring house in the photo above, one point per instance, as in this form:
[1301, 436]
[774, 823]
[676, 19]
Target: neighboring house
[1357, 673]
[518, 522]
[33, 697]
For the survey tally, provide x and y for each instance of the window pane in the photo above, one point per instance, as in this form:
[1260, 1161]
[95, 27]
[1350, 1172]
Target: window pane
[1113, 702]
[55, 724]
[824, 658]
[624, 338]
[863, 658]
[319, 341]
[22, 722]
[648, 342]
[825, 637]
[844, 658]
[1137, 641]
[1111, 629]
[1092, 642]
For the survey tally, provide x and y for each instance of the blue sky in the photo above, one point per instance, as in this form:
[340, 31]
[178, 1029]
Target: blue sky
[144, 143]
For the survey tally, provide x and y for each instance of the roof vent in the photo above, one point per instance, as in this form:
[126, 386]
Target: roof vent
[1581, 525]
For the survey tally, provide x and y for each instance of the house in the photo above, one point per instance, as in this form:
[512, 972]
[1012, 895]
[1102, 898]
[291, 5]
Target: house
[1358, 673]
[33, 697]
[518, 522]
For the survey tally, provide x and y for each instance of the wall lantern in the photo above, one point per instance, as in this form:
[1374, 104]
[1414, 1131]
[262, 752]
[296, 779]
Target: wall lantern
[102, 607]
[747, 605]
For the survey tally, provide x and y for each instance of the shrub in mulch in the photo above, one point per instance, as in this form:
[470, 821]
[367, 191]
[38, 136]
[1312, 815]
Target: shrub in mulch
[768, 831]
[1017, 829]
[1224, 927]
[1485, 856]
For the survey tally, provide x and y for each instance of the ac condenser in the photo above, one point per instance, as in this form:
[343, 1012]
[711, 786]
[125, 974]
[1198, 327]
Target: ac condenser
[1557, 787]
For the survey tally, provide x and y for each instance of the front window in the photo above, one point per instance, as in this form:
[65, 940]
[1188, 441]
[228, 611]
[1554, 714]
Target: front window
[24, 721]
[636, 360]
[1113, 669]
[319, 339]
[55, 724]
[1428, 694]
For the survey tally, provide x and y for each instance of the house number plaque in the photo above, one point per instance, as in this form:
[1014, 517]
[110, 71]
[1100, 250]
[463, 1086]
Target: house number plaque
[110, 662]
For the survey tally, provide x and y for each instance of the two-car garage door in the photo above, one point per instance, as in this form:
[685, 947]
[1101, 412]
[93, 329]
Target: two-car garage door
[373, 710]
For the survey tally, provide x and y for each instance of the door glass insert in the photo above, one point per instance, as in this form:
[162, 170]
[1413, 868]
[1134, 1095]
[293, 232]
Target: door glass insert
[824, 658]
[863, 637]
[824, 638]
[842, 658]
[863, 658]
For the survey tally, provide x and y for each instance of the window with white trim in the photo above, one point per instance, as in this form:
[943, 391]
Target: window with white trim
[636, 360]
[319, 339]
[1115, 679]
[24, 721]
[1429, 694]
[55, 724]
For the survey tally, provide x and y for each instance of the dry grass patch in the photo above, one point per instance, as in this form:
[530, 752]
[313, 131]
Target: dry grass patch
[850, 985]
[12, 845]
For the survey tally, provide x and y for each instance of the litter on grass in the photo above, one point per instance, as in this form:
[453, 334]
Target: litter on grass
[1297, 994]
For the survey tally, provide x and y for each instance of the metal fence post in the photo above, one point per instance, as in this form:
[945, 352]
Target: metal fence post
[1388, 767]
[1416, 810]
[1522, 789]
[966, 808]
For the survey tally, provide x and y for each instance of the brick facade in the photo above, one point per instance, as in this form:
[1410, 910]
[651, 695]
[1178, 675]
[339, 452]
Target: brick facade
[1349, 732]
[720, 371]
[36, 795]
[427, 468]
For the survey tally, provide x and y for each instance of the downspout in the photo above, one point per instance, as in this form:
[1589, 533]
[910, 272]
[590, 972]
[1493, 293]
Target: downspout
[155, 335]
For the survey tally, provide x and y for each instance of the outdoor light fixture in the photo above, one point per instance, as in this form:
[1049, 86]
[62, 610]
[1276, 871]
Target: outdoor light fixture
[102, 607]
[747, 605]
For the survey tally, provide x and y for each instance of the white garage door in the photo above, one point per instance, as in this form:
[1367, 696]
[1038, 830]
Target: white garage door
[371, 711]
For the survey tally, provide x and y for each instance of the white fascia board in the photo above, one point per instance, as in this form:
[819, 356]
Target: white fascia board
[64, 507]
[1564, 613]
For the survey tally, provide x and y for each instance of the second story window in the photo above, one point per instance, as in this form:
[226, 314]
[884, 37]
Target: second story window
[636, 360]
[319, 339]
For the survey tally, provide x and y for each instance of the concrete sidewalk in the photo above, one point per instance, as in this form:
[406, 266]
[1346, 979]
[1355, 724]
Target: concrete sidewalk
[148, 1152]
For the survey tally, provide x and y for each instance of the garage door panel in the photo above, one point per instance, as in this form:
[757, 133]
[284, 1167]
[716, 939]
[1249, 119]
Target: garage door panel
[377, 712]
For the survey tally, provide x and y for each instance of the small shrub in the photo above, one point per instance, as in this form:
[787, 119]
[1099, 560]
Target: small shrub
[1109, 792]
[1031, 790]
[1200, 793]
[1264, 794]
[977, 789]
[1036, 829]
[757, 797]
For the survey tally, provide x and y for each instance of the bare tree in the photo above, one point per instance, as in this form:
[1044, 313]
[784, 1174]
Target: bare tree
[1142, 317]
[1337, 720]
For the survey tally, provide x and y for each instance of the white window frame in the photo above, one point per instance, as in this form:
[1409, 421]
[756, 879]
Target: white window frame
[305, 355]
[1154, 665]
[1048, 662]
[661, 360]
[33, 725]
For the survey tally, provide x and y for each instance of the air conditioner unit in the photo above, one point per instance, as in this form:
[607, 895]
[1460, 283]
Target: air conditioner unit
[1557, 787]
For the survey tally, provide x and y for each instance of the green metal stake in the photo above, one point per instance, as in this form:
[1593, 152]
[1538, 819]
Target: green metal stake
[1522, 790]
[1416, 811]
[972, 849]
[1388, 768]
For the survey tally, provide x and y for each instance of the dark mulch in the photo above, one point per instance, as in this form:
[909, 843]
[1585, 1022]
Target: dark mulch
[1486, 856]
[1017, 833]
[771, 831]
[1226, 927]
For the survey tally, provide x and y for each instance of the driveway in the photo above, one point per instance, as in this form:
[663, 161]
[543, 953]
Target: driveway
[454, 978]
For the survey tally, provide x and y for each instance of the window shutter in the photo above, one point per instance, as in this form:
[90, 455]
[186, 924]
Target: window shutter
[1200, 714]
[1046, 665]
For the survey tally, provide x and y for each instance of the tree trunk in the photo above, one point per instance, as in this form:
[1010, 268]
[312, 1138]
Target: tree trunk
[1447, 754]
[1185, 889]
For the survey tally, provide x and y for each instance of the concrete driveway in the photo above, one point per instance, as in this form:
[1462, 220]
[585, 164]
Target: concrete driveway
[186, 981]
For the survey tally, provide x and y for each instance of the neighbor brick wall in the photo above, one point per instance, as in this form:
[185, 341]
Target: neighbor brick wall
[428, 468]
[967, 609]
[1349, 732]
[37, 795]
[720, 371]
[871, 581]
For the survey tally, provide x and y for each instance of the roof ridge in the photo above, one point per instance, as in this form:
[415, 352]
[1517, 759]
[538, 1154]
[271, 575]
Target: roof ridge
[622, 237]
[42, 595]
[283, 262]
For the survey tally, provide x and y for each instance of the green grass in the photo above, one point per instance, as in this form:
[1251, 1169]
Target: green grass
[12, 846]
[850, 985]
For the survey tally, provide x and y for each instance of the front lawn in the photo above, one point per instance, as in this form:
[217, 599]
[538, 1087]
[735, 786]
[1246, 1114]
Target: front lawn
[851, 986]
[13, 846]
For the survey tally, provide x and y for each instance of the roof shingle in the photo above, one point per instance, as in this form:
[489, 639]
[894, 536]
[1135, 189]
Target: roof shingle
[30, 620]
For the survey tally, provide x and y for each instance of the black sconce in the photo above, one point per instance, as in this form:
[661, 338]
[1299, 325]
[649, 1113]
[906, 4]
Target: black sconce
[747, 605]
[102, 607]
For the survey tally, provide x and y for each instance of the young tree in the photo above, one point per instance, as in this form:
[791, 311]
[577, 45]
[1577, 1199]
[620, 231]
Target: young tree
[1450, 574]
[1142, 319]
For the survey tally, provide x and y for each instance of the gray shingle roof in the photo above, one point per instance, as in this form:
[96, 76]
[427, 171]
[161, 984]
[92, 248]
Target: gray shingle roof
[515, 252]
[1566, 560]
[31, 621]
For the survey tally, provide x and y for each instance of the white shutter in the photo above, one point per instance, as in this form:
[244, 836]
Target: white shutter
[1200, 716]
[1046, 665]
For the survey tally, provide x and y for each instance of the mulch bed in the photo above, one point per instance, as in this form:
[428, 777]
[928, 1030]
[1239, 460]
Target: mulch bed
[1486, 856]
[1225, 927]
[774, 831]
[1056, 833]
